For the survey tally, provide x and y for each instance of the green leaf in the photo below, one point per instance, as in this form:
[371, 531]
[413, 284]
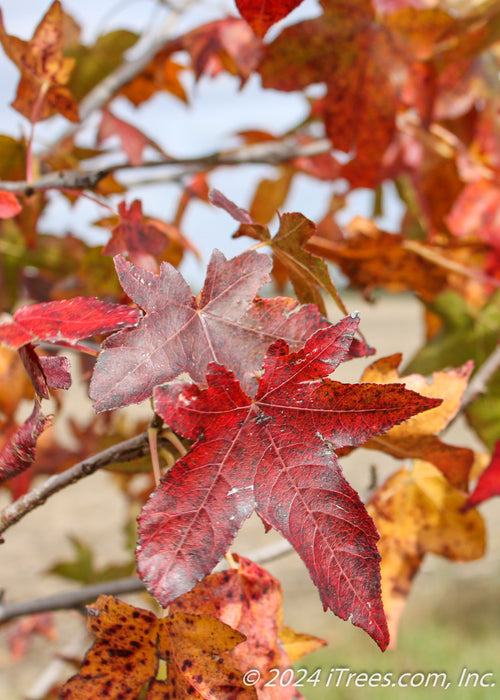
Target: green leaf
[82, 568]
[467, 334]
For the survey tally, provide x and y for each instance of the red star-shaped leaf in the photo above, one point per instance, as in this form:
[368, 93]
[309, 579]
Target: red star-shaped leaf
[274, 453]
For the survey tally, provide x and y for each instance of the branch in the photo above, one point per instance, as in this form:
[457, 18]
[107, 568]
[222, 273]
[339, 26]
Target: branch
[125, 451]
[76, 599]
[101, 94]
[270, 153]
[478, 384]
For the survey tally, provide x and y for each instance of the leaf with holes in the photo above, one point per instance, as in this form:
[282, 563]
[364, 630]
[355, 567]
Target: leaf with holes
[181, 333]
[274, 453]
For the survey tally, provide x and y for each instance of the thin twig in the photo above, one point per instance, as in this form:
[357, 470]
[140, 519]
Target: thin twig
[101, 94]
[478, 384]
[125, 451]
[270, 153]
[69, 600]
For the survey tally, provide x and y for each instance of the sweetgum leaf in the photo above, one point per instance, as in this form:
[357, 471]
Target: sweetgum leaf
[65, 322]
[418, 512]
[136, 236]
[260, 16]
[274, 453]
[45, 372]
[308, 273]
[181, 333]
[129, 643]
[122, 659]
[44, 69]
[249, 600]
[418, 436]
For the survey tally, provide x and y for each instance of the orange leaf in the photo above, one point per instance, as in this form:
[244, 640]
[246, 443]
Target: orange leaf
[417, 437]
[130, 641]
[44, 69]
[249, 599]
[416, 512]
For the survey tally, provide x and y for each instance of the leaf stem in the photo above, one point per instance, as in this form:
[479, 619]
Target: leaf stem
[34, 119]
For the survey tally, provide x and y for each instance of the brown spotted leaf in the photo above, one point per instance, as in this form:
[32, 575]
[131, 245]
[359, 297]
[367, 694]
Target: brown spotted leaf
[198, 665]
[130, 642]
[249, 600]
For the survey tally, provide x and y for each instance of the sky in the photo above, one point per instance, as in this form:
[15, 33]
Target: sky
[218, 109]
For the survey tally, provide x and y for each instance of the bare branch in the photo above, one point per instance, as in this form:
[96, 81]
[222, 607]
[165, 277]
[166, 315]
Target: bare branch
[125, 451]
[70, 599]
[478, 384]
[107, 88]
[271, 153]
[76, 599]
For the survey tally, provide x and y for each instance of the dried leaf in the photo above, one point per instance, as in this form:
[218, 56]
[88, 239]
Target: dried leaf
[418, 512]
[44, 69]
[19, 453]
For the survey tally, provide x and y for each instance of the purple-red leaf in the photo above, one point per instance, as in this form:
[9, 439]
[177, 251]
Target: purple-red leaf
[65, 322]
[45, 372]
[274, 453]
[181, 333]
[18, 454]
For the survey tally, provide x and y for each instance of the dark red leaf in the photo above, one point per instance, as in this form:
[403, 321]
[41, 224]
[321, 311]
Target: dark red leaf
[45, 372]
[488, 484]
[262, 15]
[19, 452]
[136, 236]
[65, 322]
[221, 201]
[181, 333]
[274, 454]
